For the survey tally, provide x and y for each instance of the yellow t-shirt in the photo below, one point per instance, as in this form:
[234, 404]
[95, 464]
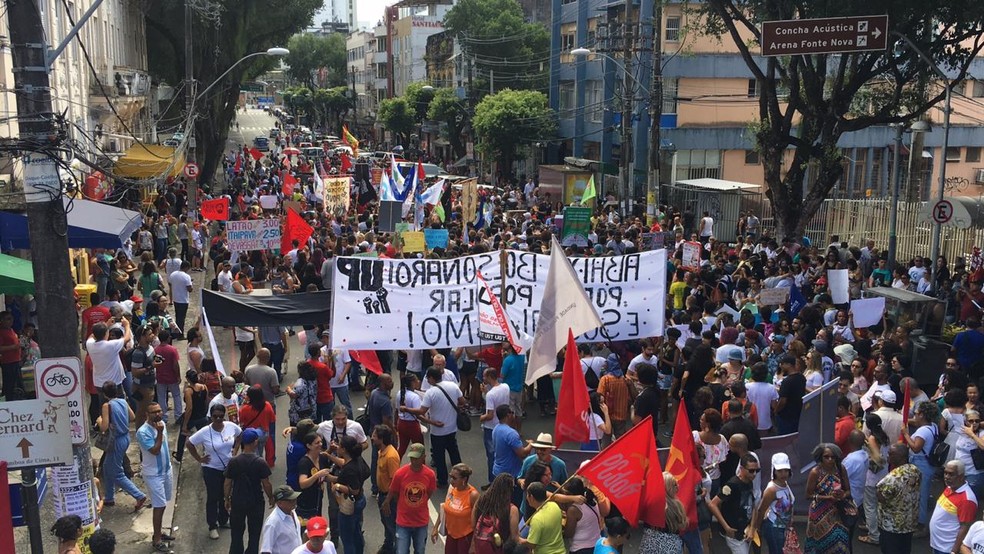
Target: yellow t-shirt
[547, 530]
[677, 291]
[386, 466]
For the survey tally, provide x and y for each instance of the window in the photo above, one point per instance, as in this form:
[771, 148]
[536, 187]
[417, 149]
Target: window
[671, 89]
[594, 100]
[672, 28]
[753, 88]
[566, 100]
[751, 157]
[698, 164]
[977, 89]
[973, 154]
[567, 42]
[953, 154]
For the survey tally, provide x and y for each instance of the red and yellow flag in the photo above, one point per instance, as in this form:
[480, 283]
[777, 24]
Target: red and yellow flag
[350, 139]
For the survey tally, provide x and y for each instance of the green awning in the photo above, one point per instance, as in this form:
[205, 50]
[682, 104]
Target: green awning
[16, 275]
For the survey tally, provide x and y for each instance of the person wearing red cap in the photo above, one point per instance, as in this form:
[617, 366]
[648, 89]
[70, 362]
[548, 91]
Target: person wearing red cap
[317, 528]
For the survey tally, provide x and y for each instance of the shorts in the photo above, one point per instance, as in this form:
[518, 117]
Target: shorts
[161, 489]
[665, 381]
[516, 402]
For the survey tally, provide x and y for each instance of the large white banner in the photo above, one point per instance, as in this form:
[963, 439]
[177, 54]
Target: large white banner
[383, 304]
[253, 234]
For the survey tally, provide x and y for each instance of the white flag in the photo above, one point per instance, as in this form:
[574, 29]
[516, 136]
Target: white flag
[432, 196]
[214, 346]
[565, 306]
[493, 322]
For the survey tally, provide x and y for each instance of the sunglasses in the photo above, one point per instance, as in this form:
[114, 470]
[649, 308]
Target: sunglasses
[753, 470]
[973, 421]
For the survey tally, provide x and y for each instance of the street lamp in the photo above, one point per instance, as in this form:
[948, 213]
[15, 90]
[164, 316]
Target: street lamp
[627, 93]
[917, 127]
[934, 251]
[276, 51]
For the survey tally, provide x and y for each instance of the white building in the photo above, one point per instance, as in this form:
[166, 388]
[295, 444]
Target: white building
[339, 11]
[361, 74]
[408, 41]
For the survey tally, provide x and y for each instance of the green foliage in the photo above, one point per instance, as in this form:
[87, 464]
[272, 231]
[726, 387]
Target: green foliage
[447, 108]
[419, 98]
[509, 118]
[309, 53]
[505, 48]
[396, 116]
[830, 95]
[223, 33]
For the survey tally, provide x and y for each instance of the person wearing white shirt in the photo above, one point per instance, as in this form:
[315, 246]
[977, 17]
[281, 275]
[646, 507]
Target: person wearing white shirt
[496, 394]
[441, 403]
[447, 376]
[648, 356]
[282, 529]
[105, 354]
[181, 287]
[342, 362]
[339, 426]
[216, 441]
[224, 278]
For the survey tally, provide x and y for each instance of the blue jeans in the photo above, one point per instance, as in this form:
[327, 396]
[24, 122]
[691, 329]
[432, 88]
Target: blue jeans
[113, 475]
[927, 471]
[372, 468]
[350, 528]
[389, 525]
[774, 537]
[976, 482]
[691, 539]
[342, 395]
[324, 412]
[489, 450]
[276, 357]
[404, 535]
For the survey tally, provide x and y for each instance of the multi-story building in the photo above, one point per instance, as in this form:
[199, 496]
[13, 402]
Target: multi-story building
[409, 28]
[710, 98]
[361, 76]
[104, 108]
[339, 11]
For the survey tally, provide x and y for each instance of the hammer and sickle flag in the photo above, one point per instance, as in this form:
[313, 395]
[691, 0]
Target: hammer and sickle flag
[683, 463]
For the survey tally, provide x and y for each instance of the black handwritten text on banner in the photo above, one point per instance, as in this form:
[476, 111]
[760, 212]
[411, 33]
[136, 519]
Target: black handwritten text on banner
[417, 304]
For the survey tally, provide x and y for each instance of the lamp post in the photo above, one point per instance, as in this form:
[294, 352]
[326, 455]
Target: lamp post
[193, 190]
[624, 169]
[934, 251]
[916, 127]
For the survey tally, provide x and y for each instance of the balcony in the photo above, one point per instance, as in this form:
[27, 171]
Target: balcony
[122, 82]
[379, 57]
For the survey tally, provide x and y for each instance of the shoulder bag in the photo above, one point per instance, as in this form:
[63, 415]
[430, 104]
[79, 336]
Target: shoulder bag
[463, 419]
[940, 452]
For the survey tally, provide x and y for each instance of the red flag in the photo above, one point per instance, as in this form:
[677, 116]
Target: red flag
[420, 173]
[216, 210]
[289, 182]
[346, 163]
[241, 203]
[368, 359]
[906, 407]
[255, 153]
[239, 164]
[285, 162]
[574, 406]
[683, 463]
[295, 228]
[629, 474]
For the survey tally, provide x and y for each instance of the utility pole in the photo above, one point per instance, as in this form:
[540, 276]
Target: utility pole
[190, 103]
[655, 113]
[47, 220]
[893, 215]
[625, 150]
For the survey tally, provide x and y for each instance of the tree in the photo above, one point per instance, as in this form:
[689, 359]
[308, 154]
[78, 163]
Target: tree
[332, 103]
[824, 91]
[505, 48]
[505, 120]
[310, 53]
[224, 31]
[447, 108]
[419, 98]
[396, 115]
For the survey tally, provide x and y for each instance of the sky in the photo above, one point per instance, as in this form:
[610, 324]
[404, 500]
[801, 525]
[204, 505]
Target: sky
[370, 12]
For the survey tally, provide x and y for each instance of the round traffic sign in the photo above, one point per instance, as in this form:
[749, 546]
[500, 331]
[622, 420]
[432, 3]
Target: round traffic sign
[942, 211]
[58, 381]
[191, 170]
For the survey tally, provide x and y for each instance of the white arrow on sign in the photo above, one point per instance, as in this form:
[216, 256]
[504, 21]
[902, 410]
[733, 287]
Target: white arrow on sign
[877, 32]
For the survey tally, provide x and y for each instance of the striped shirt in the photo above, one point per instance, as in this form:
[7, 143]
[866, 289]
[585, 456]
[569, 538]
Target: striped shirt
[616, 393]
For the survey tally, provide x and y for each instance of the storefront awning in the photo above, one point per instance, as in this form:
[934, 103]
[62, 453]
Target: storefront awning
[147, 161]
[722, 185]
[90, 225]
[16, 276]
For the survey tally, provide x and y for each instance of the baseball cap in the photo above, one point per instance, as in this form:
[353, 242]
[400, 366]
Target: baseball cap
[887, 396]
[780, 461]
[317, 526]
[249, 436]
[284, 492]
[735, 354]
[415, 450]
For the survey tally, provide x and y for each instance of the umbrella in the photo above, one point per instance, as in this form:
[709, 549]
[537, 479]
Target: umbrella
[291, 151]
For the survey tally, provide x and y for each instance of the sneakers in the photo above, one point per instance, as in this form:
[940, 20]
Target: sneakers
[213, 534]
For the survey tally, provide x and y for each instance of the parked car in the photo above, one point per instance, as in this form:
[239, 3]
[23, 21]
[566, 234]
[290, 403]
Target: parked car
[262, 144]
[274, 133]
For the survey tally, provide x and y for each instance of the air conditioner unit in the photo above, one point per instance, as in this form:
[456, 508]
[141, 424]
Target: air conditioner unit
[979, 176]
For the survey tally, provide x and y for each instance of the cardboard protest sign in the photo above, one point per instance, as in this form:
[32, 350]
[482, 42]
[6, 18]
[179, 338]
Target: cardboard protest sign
[577, 225]
[436, 238]
[413, 241]
[253, 234]
[337, 195]
[776, 296]
[691, 255]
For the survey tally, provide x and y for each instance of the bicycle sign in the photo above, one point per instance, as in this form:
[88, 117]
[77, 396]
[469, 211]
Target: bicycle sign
[61, 379]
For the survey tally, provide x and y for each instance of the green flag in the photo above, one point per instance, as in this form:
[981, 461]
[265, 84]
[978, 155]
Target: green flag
[439, 210]
[589, 191]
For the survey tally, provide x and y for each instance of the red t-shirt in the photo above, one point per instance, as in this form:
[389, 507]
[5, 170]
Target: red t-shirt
[414, 490]
[325, 375]
[167, 365]
[91, 316]
[9, 337]
[250, 418]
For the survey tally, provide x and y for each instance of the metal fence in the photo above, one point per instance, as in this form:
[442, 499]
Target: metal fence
[855, 221]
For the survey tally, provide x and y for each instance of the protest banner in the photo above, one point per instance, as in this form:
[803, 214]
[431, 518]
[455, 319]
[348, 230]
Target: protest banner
[375, 176]
[413, 241]
[691, 255]
[253, 234]
[216, 209]
[436, 238]
[435, 303]
[337, 194]
[577, 225]
[776, 296]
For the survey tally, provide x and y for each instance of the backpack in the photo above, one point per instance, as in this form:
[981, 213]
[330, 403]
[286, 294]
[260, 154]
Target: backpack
[940, 453]
[591, 378]
[214, 285]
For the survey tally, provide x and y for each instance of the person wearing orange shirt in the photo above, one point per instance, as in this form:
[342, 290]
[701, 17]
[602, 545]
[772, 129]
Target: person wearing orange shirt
[456, 512]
